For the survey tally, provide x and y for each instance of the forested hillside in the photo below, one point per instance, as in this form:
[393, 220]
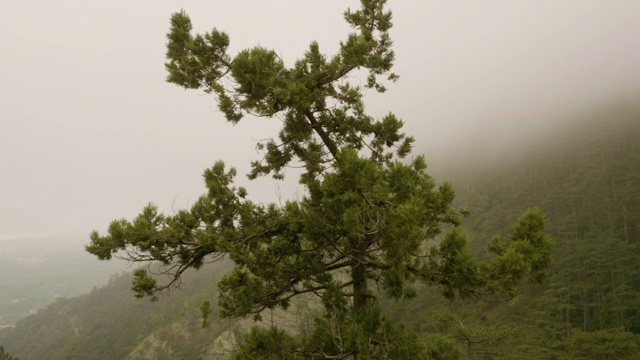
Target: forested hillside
[585, 176]
[586, 179]
[110, 323]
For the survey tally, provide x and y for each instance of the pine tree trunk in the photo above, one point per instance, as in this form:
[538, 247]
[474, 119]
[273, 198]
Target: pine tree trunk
[358, 275]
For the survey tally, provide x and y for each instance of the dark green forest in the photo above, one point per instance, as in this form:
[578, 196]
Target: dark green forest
[587, 180]
[585, 176]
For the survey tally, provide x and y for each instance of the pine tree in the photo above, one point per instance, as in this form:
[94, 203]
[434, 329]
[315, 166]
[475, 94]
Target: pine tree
[370, 219]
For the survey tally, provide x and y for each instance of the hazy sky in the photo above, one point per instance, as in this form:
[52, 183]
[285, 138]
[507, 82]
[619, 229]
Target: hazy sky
[89, 130]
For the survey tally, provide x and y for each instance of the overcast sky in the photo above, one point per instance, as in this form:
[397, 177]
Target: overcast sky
[90, 132]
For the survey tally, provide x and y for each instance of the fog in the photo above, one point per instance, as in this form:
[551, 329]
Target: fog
[90, 132]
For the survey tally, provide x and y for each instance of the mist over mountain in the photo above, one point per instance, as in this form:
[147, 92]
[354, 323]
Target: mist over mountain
[87, 108]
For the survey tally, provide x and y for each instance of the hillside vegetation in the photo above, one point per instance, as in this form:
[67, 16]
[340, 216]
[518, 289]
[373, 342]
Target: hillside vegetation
[586, 179]
[110, 323]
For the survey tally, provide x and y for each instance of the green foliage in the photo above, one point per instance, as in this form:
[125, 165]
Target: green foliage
[368, 220]
[527, 252]
[605, 344]
[5, 356]
[442, 347]
[143, 284]
[268, 344]
[352, 336]
[205, 311]
[349, 337]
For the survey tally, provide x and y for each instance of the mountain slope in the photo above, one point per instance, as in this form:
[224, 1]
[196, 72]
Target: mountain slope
[110, 323]
[586, 179]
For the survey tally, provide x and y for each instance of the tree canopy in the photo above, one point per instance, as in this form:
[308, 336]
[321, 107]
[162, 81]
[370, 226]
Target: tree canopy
[371, 220]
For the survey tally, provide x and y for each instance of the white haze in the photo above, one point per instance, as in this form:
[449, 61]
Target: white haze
[90, 132]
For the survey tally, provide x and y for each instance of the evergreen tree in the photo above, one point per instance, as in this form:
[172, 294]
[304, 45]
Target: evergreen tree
[368, 220]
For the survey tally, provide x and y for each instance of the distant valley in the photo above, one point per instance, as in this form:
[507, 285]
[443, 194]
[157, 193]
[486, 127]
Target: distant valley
[37, 270]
